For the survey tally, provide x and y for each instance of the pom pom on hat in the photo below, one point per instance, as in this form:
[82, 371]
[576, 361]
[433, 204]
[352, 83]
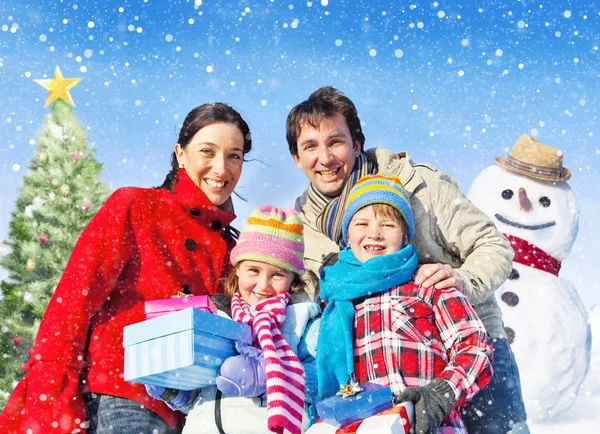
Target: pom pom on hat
[372, 189]
[272, 235]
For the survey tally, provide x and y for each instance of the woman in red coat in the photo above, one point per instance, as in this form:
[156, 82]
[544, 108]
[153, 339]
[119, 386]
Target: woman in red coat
[143, 244]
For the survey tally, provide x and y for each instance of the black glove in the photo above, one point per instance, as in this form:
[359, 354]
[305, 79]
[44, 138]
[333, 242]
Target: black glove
[432, 403]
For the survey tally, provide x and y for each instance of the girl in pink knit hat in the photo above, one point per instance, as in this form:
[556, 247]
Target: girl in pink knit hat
[265, 387]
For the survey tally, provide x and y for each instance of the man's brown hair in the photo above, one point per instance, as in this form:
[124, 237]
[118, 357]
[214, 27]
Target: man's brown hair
[324, 102]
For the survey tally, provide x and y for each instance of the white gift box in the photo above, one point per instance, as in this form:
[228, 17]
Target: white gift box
[396, 420]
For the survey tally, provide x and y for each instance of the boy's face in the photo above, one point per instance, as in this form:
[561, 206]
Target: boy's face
[326, 154]
[371, 235]
[259, 280]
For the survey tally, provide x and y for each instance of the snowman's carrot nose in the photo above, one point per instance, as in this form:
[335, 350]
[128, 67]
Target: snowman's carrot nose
[524, 200]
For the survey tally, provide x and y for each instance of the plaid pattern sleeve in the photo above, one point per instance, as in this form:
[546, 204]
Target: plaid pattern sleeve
[408, 335]
[470, 353]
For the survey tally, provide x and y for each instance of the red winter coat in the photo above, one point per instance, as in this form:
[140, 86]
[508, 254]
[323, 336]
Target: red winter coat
[143, 244]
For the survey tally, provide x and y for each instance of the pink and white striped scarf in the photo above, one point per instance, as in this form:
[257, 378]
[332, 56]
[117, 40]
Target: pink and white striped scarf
[285, 376]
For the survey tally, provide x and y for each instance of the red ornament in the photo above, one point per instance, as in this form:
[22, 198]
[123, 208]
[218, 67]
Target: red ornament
[76, 156]
[17, 340]
[43, 238]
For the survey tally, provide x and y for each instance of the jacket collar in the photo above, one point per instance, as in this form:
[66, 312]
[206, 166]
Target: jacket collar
[399, 164]
[189, 196]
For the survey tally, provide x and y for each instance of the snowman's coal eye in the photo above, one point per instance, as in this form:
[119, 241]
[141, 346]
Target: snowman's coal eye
[545, 201]
[507, 194]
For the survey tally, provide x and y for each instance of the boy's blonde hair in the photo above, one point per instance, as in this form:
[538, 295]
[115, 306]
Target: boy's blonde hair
[392, 213]
[378, 189]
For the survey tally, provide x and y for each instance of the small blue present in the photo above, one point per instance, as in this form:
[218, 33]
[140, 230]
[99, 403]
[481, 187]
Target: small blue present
[181, 350]
[340, 411]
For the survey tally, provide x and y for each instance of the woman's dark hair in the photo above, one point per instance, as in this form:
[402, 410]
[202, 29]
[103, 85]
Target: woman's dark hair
[200, 117]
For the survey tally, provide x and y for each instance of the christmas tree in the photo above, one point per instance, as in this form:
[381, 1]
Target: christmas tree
[60, 194]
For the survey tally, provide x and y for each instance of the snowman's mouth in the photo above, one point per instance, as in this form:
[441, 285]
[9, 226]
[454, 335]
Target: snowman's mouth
[522, 226]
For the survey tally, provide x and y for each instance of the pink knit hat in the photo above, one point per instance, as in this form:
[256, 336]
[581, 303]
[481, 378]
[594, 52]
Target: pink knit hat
[273, 236]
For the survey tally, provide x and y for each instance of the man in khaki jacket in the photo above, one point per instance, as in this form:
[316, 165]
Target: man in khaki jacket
[458, 245]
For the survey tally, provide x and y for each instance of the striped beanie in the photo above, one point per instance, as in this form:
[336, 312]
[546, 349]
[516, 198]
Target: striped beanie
[274, 236]
[372, 189]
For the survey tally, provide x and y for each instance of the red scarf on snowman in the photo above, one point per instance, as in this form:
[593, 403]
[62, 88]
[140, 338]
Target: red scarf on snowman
[532, 256]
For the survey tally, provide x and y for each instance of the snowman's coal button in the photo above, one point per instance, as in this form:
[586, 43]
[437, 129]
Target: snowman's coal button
[510, 334]
[514, 274]
[510, 298]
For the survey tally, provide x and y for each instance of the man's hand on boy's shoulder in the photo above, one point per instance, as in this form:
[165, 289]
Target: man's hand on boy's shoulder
[441, 275]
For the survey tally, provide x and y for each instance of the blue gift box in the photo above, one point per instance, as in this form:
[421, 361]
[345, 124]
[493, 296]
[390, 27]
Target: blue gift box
[339, 411]
[181, 350]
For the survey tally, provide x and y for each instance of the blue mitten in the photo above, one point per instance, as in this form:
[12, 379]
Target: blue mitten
[245, 374]
[175, 399]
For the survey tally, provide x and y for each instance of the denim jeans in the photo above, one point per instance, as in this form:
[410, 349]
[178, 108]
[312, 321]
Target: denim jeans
[113, 415]
[499, 407]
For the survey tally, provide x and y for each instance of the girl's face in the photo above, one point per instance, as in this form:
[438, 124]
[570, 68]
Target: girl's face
[213, 160]
[259, 280]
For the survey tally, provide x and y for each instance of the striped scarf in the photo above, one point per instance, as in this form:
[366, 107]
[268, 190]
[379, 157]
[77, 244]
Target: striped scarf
[331, 210]
[285, 376]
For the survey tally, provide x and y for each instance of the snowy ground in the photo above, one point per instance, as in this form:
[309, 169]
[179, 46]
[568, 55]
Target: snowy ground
[583, 417]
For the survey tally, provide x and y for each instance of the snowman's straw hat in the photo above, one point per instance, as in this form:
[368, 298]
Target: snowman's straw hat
[532, 158]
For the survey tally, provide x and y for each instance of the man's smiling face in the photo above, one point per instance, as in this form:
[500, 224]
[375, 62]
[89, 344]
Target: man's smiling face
[326, 154]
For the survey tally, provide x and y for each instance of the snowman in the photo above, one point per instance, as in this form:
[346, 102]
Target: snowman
[529, 200]
[591, 385]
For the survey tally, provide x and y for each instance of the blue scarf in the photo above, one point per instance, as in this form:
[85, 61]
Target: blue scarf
[340, 284]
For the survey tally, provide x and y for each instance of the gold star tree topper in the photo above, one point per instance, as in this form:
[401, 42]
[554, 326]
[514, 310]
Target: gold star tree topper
[59, 87]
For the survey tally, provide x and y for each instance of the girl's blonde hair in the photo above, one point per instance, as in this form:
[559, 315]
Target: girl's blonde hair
[231, 283]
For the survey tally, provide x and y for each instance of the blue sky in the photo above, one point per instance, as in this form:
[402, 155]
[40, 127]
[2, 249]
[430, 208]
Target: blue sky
[454, 83]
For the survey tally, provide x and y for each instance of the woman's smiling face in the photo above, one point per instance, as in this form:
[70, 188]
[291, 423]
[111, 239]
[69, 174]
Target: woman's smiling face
[213, 160]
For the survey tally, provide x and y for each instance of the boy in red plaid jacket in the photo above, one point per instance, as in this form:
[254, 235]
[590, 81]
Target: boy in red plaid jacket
[427, 344]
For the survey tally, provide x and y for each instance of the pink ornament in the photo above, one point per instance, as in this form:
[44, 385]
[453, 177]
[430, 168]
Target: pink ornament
[43, 238]
[85, 205]
[76, 156]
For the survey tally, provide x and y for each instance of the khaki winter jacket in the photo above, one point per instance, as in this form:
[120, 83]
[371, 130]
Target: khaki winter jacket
[448, 229]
